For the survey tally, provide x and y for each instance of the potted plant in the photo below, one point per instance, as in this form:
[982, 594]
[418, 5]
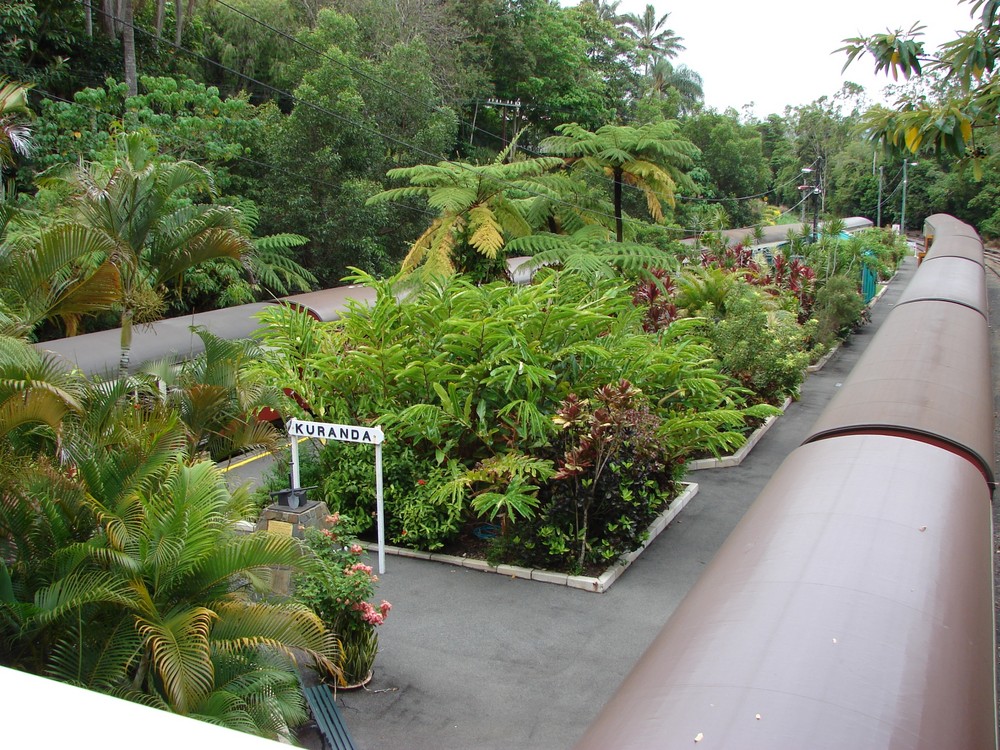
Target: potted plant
[338, 591]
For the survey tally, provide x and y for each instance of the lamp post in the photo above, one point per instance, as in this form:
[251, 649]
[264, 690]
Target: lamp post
[902, 211]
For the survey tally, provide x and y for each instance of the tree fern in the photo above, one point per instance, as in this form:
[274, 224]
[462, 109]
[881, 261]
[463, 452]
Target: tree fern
[480, 207]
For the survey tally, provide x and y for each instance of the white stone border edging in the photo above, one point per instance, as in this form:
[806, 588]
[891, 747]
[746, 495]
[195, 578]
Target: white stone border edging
[596, 584]
[725, 462]
[821, 363]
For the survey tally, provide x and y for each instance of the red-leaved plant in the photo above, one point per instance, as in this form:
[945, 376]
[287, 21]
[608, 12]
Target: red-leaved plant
[616, 423]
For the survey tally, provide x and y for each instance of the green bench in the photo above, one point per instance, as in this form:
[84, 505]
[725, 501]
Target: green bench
[327, 717]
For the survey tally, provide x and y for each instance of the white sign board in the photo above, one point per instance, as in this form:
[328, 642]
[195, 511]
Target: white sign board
[299, 428]
[328, 431]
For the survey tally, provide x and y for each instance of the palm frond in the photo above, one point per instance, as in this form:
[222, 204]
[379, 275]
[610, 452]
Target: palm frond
[180, 655]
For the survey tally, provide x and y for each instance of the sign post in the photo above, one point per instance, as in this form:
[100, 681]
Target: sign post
[298, 428]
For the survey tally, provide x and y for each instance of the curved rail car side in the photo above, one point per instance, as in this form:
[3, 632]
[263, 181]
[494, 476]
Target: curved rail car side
[852, 607]
[98, 353]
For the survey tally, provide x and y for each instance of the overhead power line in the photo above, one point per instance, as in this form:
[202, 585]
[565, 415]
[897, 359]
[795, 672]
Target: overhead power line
[390, 138]
[472, 126]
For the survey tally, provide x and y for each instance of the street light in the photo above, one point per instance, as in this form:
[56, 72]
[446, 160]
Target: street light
[806, 171]
[902, 211]
[814, 190]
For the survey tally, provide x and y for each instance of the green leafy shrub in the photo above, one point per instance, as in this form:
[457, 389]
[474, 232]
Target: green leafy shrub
[882, 250]
[838, 308]
[344, 477]
[613, 475]
[465, 380]
[765, 350]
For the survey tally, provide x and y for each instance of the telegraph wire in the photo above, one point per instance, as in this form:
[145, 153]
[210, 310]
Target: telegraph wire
[362, 126]
[392, 139]
[474, 128]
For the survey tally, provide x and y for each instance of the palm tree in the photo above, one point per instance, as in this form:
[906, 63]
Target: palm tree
[607, 11]
[129, 214]
[123, 573]
[33, 389]
[166, 592]
[15, 136]
[480, 208]
[218, 397]
[664, 78]
[651, 36]
[51, 276]
[652, 158]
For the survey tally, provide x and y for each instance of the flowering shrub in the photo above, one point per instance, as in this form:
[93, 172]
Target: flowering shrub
[339, 594]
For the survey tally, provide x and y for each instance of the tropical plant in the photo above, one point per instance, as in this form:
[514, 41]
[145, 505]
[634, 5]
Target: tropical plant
[838, 308]
[651, 36]
[761, 345]
[34, 390]
[590, 252]
[480, 209]
[617, 423]
[338, 591]
[53, 276]
[270, 272]
[652, 158]
[465, 379]
[606, 11]
[705, 291]
[219, 398]
[132, 213]
[686, 84]
[128, 577]
[15, 136]
[948, 119]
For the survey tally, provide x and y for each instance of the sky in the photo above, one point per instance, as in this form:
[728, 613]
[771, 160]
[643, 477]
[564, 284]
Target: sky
[780, 52]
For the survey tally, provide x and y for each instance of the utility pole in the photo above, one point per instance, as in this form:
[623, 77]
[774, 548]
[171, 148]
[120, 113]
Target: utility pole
[902, 211]
[504, 105]
[819, 194]
[878, 221]
[816, 192]
[806, 171]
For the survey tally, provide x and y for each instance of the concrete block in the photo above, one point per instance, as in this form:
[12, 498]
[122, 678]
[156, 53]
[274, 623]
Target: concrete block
[405, 552]
[477, 564]
[449, 559]
[514, 571]
[547, 576]
[584, 583]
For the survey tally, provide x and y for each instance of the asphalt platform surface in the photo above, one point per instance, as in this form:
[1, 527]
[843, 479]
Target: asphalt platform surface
[474, 661]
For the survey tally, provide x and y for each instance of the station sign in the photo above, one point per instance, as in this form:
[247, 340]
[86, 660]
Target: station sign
[300, 429]
[331, 431]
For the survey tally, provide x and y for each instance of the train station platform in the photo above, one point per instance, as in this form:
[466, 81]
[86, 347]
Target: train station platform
[476, 661]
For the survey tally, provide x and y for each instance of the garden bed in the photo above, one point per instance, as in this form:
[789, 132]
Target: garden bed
[725, 462]
[596, 584]
[821, 363]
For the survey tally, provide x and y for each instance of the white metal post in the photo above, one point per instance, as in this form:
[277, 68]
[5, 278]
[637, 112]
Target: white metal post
[296, 482]
[379, 508]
